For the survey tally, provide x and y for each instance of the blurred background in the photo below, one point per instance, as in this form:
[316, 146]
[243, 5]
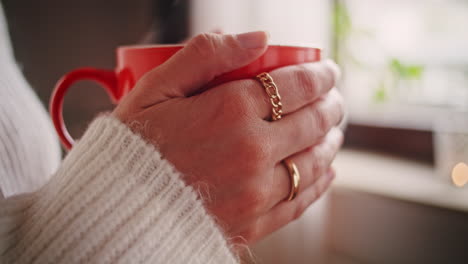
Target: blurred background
[405, 80]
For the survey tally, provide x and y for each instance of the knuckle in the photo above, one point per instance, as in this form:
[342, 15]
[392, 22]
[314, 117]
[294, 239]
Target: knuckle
[204, 44]
[336, 106]
[313, 125]
[333, 71]
[307, 80]
[321, 119]
[341, 113]
[338, 97]
[231, 41]
[339, 141]
[339, 100]
[334, 140]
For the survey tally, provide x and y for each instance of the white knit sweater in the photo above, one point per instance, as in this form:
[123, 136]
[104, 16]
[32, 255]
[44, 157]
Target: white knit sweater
[112, 200]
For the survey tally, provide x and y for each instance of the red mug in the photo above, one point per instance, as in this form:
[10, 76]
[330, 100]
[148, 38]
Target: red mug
[134, 61]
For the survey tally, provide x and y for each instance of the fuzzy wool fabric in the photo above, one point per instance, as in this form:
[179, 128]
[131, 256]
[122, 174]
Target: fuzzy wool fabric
[113, 199]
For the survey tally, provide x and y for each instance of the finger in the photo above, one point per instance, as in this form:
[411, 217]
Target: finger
[298, 86]
[214, 31]
[311, 163]
[286, 212]
[201, 60]
[305, 128]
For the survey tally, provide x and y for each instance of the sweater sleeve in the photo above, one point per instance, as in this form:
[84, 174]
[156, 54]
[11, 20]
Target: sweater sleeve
[113, 200]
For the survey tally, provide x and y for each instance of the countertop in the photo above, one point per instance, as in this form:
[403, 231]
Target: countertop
[397, 178]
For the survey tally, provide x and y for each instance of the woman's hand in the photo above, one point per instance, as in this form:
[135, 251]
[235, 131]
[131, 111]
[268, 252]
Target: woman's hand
[221, 141]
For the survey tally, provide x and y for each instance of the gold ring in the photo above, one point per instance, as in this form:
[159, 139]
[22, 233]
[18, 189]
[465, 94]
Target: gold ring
[295, 178]
[276, 114]
[272, 91]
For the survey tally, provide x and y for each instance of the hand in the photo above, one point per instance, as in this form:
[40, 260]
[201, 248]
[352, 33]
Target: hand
[221, 141]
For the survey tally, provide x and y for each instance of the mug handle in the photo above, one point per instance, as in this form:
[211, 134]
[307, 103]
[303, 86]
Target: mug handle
[106, 78]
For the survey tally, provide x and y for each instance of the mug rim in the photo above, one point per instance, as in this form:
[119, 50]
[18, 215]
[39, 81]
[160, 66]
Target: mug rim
[149, 46]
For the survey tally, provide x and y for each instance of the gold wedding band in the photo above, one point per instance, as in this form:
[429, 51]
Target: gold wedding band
[276, 114]
[272, 91]
[295, 178]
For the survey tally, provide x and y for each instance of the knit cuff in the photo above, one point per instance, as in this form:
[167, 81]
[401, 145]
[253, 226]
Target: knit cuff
[115, 200]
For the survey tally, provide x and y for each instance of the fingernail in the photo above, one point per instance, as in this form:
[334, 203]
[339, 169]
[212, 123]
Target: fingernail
[253, 40]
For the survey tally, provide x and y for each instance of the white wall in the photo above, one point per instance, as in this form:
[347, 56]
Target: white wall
[289, 22]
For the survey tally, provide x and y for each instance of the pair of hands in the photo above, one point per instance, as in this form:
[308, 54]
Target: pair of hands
[221, 139]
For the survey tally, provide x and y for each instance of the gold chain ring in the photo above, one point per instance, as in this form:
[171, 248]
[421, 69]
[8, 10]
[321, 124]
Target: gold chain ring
[272, 92]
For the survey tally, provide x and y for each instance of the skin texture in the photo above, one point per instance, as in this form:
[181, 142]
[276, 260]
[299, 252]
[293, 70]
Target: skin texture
[222, 141]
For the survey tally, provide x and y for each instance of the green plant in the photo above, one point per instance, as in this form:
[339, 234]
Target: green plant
[380, 94]
[341, 28]
[406, 72]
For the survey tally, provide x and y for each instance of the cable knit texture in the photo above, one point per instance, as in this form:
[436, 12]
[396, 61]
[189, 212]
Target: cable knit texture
[112, 200]
[29, 150]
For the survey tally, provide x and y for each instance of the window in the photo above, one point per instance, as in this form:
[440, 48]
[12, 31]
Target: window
[405, 62]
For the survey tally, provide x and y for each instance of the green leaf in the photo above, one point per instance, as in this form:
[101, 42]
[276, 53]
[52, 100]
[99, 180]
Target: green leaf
[409, 71]
[341, 20]
[414, 71]
[380, 94]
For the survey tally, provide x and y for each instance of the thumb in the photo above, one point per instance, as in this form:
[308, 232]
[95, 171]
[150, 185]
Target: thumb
[200, 61]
